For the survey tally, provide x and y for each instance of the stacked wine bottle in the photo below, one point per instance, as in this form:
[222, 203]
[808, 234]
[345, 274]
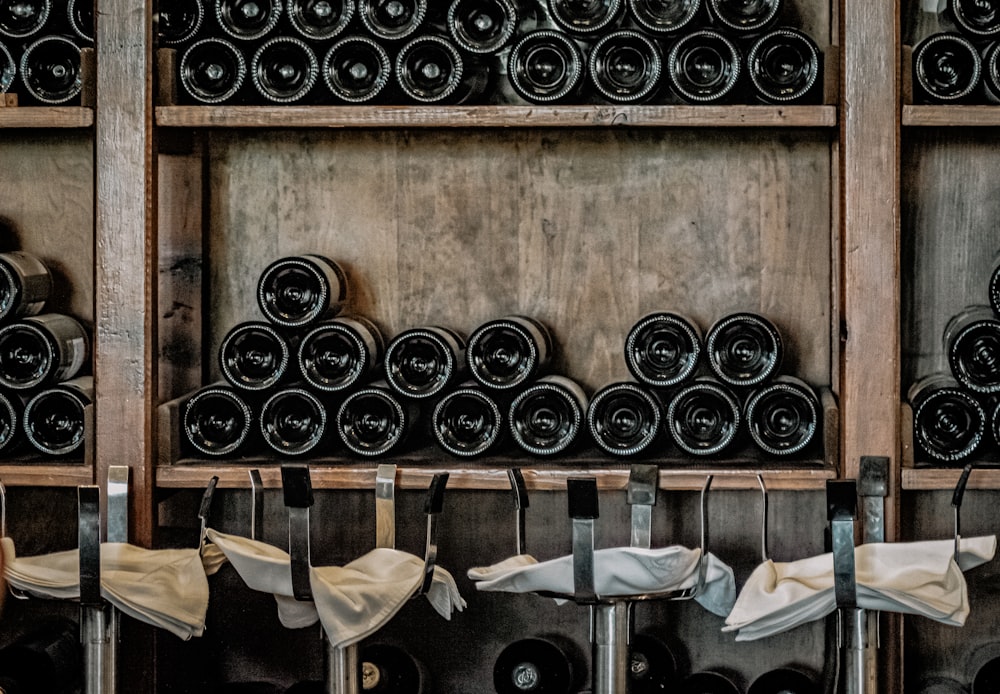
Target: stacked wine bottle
[44, 390]
[488, 51]
[961, 63]
[311, 379]
[40, 49]
[705, 396]
[956, 412]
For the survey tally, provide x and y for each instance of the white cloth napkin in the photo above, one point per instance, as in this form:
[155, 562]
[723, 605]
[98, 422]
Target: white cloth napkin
[351, 601]
[618, 572]
[919, 578]
[167, 588]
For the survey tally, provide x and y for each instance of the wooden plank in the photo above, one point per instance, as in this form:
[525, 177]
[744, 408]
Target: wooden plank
[46, 117]
[585, 230]
[47, 209]
[179, 294]
[942, 116]
[662, 116]
[46, 474]
[125, 259]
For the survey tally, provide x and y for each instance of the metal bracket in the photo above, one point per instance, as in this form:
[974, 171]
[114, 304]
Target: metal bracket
[520, 504]
[118, 478]
[205, 509]
[873, 487]
[298, 493]
[89, 539]
[256, 504]
[841, 504]
[583, 510]
[432, 507]
[385, 506]
[956, 503]
[643, 481]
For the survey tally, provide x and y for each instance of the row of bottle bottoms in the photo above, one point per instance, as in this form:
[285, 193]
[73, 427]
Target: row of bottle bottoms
[40, 44]
[477, 26]
[308, 363]
[956, 413]
[542, 67]
[48, 657]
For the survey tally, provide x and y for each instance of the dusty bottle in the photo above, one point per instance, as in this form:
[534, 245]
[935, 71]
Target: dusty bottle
[357, 69]
[704, 418]
[744, 16]
[320, 19]
[22, 19]
[212, 71]
[254, 356]
[284, 69]
[949, 423]
[293, 421]
[467, 421]
[504, 353]
[664, 17]
[783, 416]
[483, 26]
[663, 349]
[217, 421]
[80, 14]
[373, 421]
[976, 19]
[339, 353]
[179, 21]
[586, 18]
[423, 362]
[247, 20]
[972, 344]
[784, 66]
[25, 285]
[744, 349]
[50, 70]
[42, 350]
[547, 417]
[297, 291]
[392, 20]
[625, 419]
[430, 70]
[8, 68]
[993, 288]
[546, 67]
[54, 417]
[539, 665]
[388, 669]
[652, 666]
[704, 66]
[947, 68]
[626, 67]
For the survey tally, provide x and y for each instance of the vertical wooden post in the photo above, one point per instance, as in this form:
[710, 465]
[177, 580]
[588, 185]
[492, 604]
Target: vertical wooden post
[125, 253]
[870, 160]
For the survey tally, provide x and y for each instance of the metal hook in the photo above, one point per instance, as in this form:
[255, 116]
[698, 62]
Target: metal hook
[956, 503]
[3, 510]
[433, 508]
[643, 481]
[385, 506]
[702, 563]
[256, 504]
[203, 511]
[763, 518]
[520, 504]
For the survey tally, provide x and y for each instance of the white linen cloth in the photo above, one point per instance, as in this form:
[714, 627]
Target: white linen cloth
[618, 572]
[918, 578]
[167, 588]
[350, 601]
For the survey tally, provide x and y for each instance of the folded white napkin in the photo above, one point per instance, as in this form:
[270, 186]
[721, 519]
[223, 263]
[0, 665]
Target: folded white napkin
[351, 601]
[919, 578]
[167, 588]
[618, 572]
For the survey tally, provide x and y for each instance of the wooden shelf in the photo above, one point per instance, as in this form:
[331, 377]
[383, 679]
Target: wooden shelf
[46, 474]
[984, 116]
[46, 117]
[658, 116]
[420, 465]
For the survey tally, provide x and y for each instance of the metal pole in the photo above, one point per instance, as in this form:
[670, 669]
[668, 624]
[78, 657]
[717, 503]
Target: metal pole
[612, 632]
[342, 669]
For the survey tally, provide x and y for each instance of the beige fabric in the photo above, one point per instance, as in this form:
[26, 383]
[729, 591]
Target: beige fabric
[919, 578]
[618, 572]
[167, 588]
[351, 601]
